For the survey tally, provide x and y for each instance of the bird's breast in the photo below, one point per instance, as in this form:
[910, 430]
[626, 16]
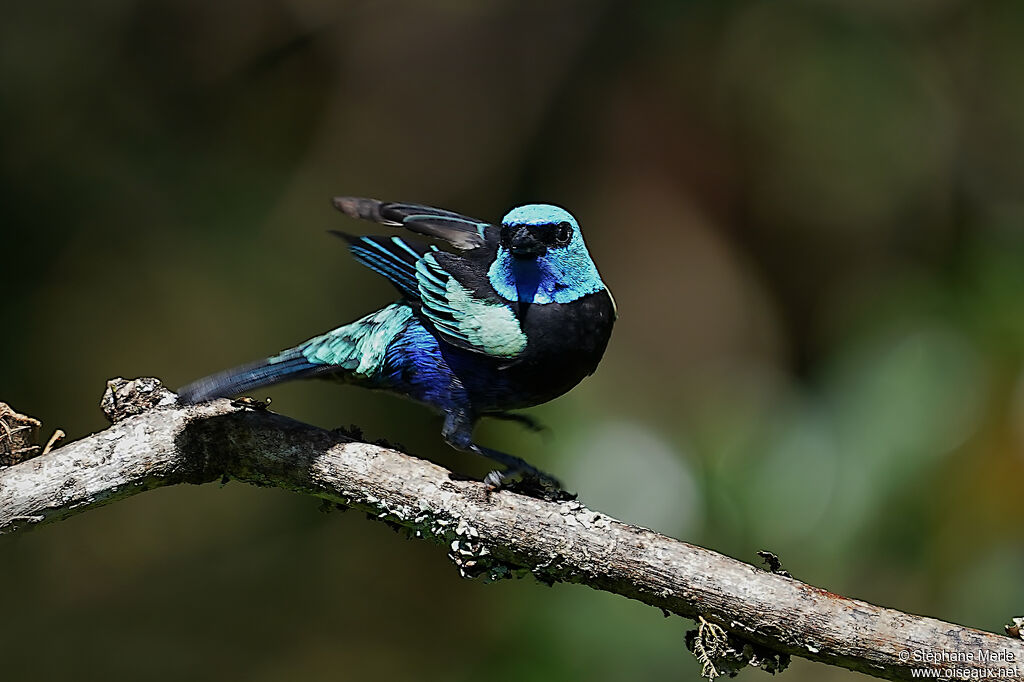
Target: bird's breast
[565, 343]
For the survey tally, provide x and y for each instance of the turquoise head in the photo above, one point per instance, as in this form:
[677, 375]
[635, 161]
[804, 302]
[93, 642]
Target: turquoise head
[542, 258]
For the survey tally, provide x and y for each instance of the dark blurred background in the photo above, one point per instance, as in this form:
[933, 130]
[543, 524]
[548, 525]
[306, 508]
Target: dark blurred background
[811, 215]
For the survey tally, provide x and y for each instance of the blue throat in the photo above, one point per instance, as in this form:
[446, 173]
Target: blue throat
[556, 277]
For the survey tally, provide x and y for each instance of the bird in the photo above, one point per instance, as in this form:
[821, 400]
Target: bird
[507, 316]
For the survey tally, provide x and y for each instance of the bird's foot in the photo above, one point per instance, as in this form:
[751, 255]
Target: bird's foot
[494, 480]
[518, 476]
[527, 481]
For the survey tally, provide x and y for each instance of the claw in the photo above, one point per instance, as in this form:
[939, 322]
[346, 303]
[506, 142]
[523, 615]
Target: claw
[526, 481]
[493, 480]
[458, 432]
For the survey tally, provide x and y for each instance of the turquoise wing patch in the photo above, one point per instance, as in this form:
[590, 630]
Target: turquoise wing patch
[464, 320]
[359, 347]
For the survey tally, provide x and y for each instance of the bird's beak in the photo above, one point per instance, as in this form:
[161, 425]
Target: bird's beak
[524, 246]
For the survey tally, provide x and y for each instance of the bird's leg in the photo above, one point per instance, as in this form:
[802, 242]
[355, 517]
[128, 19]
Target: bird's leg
[524, 419]
[458, 432]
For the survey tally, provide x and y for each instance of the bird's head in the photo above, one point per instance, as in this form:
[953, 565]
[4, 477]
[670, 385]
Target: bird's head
[531, 231]
[542, 258]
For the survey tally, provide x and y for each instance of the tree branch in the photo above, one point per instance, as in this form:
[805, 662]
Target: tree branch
[155, 442]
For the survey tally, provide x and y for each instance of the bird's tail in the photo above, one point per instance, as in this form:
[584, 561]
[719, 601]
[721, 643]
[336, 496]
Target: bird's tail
[356, 352]
[290, 364]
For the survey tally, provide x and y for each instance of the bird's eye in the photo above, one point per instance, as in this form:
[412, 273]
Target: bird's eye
[505, 236]
[563, 233]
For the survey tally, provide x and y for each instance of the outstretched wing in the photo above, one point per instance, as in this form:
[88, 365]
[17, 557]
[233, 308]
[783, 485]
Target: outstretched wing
[392, 257]
[461, 316]
[460, 231]
[427, 276]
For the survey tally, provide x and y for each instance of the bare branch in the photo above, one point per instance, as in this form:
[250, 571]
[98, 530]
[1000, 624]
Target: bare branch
[155, 442]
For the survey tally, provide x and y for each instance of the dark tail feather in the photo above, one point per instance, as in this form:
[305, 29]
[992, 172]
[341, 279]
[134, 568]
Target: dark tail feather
[290, 364]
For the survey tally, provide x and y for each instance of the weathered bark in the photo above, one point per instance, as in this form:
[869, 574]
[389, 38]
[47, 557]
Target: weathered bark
[155, 442]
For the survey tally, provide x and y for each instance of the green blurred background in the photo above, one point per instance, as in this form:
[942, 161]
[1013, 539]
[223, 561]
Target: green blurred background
[811, 215]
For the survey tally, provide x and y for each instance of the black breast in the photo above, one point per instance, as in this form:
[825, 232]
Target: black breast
[565, 342]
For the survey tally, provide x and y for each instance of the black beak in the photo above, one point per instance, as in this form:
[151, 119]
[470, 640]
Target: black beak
[524, 246]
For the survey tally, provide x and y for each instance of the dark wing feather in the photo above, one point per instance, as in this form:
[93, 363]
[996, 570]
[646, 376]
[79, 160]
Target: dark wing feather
[460, 231]
[392, 257]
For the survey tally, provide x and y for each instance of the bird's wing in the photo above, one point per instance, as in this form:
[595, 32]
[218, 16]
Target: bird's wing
[454, 308]
[392, 257]
[460, 231]
[460, 314]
